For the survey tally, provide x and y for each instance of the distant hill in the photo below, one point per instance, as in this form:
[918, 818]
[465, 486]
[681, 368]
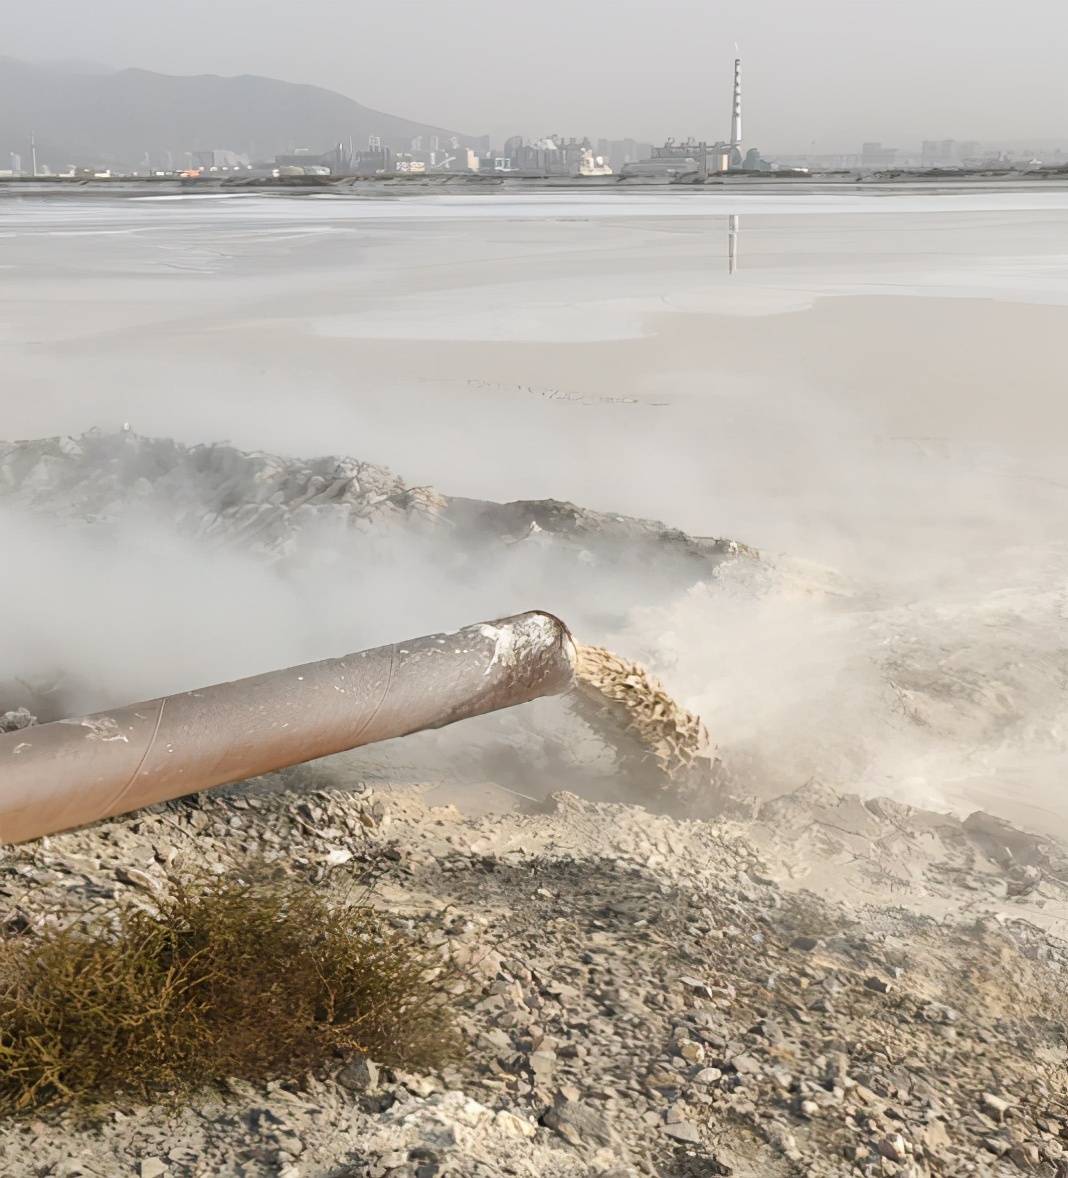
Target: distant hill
[82, 113]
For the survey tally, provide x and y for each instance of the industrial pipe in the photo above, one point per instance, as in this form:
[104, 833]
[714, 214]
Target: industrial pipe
[65, 774]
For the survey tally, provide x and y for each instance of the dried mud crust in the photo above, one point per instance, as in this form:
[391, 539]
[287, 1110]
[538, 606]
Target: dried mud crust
[640, 999]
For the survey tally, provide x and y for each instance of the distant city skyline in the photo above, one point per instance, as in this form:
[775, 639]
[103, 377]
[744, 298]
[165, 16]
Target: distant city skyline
[930, 151]
[822, 77]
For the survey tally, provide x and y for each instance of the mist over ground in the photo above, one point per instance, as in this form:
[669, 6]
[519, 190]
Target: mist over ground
[875, 395]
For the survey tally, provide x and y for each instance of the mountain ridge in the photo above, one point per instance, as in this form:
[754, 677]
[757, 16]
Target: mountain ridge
[116, 118]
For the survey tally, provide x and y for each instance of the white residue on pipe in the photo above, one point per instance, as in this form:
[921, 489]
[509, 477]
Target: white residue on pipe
[105, 729]
[514, 641]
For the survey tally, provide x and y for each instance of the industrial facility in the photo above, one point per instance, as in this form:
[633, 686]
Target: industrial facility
[694, 162]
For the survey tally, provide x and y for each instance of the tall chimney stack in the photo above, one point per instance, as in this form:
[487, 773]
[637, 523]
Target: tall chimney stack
[736, 110]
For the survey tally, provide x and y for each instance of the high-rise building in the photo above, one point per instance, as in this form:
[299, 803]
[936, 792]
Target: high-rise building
[939, 153]
[219, 157]
[874, 155]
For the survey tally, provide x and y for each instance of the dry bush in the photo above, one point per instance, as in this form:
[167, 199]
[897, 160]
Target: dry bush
[225, 978]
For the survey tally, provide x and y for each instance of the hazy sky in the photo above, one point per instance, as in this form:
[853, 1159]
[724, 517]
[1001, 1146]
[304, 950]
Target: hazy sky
[822, 72]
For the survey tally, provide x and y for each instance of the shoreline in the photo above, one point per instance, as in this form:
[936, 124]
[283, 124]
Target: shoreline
[471, 183]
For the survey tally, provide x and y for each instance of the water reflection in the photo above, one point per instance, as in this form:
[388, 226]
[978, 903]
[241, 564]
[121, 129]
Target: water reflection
[732, 242]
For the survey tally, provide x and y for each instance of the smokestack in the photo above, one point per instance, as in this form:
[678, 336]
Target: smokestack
[736, 109]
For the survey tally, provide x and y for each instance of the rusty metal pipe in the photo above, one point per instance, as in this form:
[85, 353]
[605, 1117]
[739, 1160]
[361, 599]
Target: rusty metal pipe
[65, 774]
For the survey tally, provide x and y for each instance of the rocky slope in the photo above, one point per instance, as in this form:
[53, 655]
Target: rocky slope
[640, 998]
[265, 501]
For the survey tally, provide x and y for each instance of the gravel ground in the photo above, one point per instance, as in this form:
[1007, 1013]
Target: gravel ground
[640, 997]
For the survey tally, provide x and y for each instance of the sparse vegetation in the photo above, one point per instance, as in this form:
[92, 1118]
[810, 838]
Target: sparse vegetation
[224, 977]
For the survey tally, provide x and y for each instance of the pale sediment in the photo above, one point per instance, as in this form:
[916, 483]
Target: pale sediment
[660, 745]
